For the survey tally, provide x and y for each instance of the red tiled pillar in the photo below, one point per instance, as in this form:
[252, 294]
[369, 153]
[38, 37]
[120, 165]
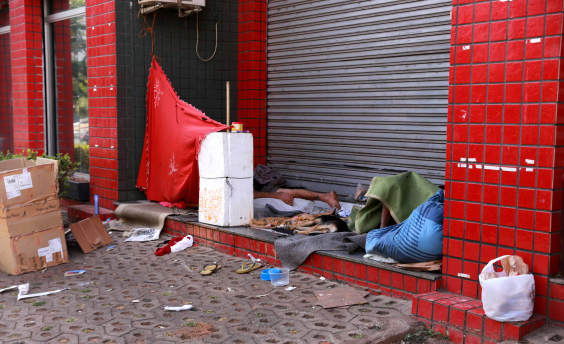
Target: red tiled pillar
[102, 100]
[6, 115]
[252, 73]
[27, 75]
[505, 154]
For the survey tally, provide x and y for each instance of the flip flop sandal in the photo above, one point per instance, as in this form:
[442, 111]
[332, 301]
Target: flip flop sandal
[210, 269]
[244, 270]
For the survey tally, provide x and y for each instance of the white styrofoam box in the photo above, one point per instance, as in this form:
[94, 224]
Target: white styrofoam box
[226, 155]
[226, 201]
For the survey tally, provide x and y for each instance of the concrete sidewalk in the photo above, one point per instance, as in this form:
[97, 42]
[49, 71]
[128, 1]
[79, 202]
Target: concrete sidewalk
[230, 308]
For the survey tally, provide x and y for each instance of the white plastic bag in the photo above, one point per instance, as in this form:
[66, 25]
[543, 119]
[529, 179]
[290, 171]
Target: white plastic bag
[183, 244]
[507, 298]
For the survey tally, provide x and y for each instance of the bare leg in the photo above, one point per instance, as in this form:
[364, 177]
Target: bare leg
[385, 218]
[286, 197]
[329, 198]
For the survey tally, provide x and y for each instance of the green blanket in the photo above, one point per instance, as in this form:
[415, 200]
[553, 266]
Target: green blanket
[401, 194]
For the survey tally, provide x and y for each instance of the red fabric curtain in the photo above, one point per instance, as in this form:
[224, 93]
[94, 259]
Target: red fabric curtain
[169, 168]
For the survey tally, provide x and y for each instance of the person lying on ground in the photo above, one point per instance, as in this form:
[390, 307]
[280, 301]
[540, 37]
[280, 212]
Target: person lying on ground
[288, 195]
[269, 183]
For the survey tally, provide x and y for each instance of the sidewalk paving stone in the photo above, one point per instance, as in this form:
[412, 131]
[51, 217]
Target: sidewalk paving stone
[229, 308]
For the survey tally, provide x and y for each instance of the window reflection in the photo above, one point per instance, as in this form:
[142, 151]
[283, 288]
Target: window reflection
[58, 6]
[72, 89]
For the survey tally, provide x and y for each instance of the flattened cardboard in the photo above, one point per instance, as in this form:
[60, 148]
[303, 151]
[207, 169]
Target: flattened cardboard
[20, 254]
[90, 234]
[339, 297]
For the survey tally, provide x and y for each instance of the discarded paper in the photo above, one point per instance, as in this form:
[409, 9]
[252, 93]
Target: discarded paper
[9, 288]
[144, 234]
[24, 289]
[178, 309]
[74, 272]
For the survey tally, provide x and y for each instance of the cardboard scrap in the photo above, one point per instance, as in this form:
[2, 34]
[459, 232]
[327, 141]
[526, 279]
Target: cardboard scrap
[434, 265]
[90, 234]
[338, 297]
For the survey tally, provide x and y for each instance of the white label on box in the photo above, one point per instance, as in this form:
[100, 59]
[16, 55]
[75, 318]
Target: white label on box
[45, 252]
[25, 180]
[55, 246]
[12, 186]
[13, 194]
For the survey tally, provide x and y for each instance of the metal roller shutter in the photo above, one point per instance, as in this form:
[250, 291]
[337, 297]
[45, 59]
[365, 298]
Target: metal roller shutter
[357, 89]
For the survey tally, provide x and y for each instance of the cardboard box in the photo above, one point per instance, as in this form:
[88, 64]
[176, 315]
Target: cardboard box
[90, 234]
[33, 252]
[28, 196]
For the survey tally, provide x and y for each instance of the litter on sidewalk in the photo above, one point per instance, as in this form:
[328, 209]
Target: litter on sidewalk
[74, 272]
[24, 289]
[339, 297]
[178, 309]
[90, 234]
[144, 234]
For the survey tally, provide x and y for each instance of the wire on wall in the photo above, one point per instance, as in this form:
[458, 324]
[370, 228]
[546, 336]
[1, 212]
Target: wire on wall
[198, 39]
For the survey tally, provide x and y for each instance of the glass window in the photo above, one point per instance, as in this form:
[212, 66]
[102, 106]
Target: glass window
[58, 6]
[72, 89]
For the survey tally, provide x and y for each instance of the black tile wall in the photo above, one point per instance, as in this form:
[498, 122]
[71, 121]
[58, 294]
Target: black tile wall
[199, 83]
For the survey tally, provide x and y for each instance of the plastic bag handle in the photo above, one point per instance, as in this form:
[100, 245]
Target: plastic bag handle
[492, 262]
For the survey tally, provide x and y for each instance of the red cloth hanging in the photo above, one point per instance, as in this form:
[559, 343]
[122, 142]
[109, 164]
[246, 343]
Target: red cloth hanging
[174, 131]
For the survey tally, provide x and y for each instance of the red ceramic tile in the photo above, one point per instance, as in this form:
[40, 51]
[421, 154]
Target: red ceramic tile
[349, 269]
[498, 31]
[457, 318]
[338, 266]
[474, 323]
[440, 312]
[318, 261]
[535, 26]
[456, 336]
[372, 274]
[360, 270]
[557, 291]
[556, 310]
[514, 71]
[397, 280]
[328, 263]
[493, 329]
[385, 278]
[479, 74]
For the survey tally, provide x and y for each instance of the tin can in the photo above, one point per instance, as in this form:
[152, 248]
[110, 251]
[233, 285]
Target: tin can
[237, 127]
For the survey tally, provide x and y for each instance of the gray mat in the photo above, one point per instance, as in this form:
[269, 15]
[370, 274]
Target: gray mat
[294, 250]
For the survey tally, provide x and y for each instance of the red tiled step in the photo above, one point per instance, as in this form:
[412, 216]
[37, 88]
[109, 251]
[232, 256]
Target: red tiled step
[353, 269]
[84, 211]
[465, 320]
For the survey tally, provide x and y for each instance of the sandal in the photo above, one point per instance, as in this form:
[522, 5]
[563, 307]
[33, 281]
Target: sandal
[210, 269]
[244, 270]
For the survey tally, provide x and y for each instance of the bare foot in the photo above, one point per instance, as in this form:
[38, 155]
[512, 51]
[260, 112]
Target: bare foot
[287, 198]
[331, 199]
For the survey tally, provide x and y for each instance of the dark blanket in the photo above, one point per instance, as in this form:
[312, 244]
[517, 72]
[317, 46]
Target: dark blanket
[294, 250]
